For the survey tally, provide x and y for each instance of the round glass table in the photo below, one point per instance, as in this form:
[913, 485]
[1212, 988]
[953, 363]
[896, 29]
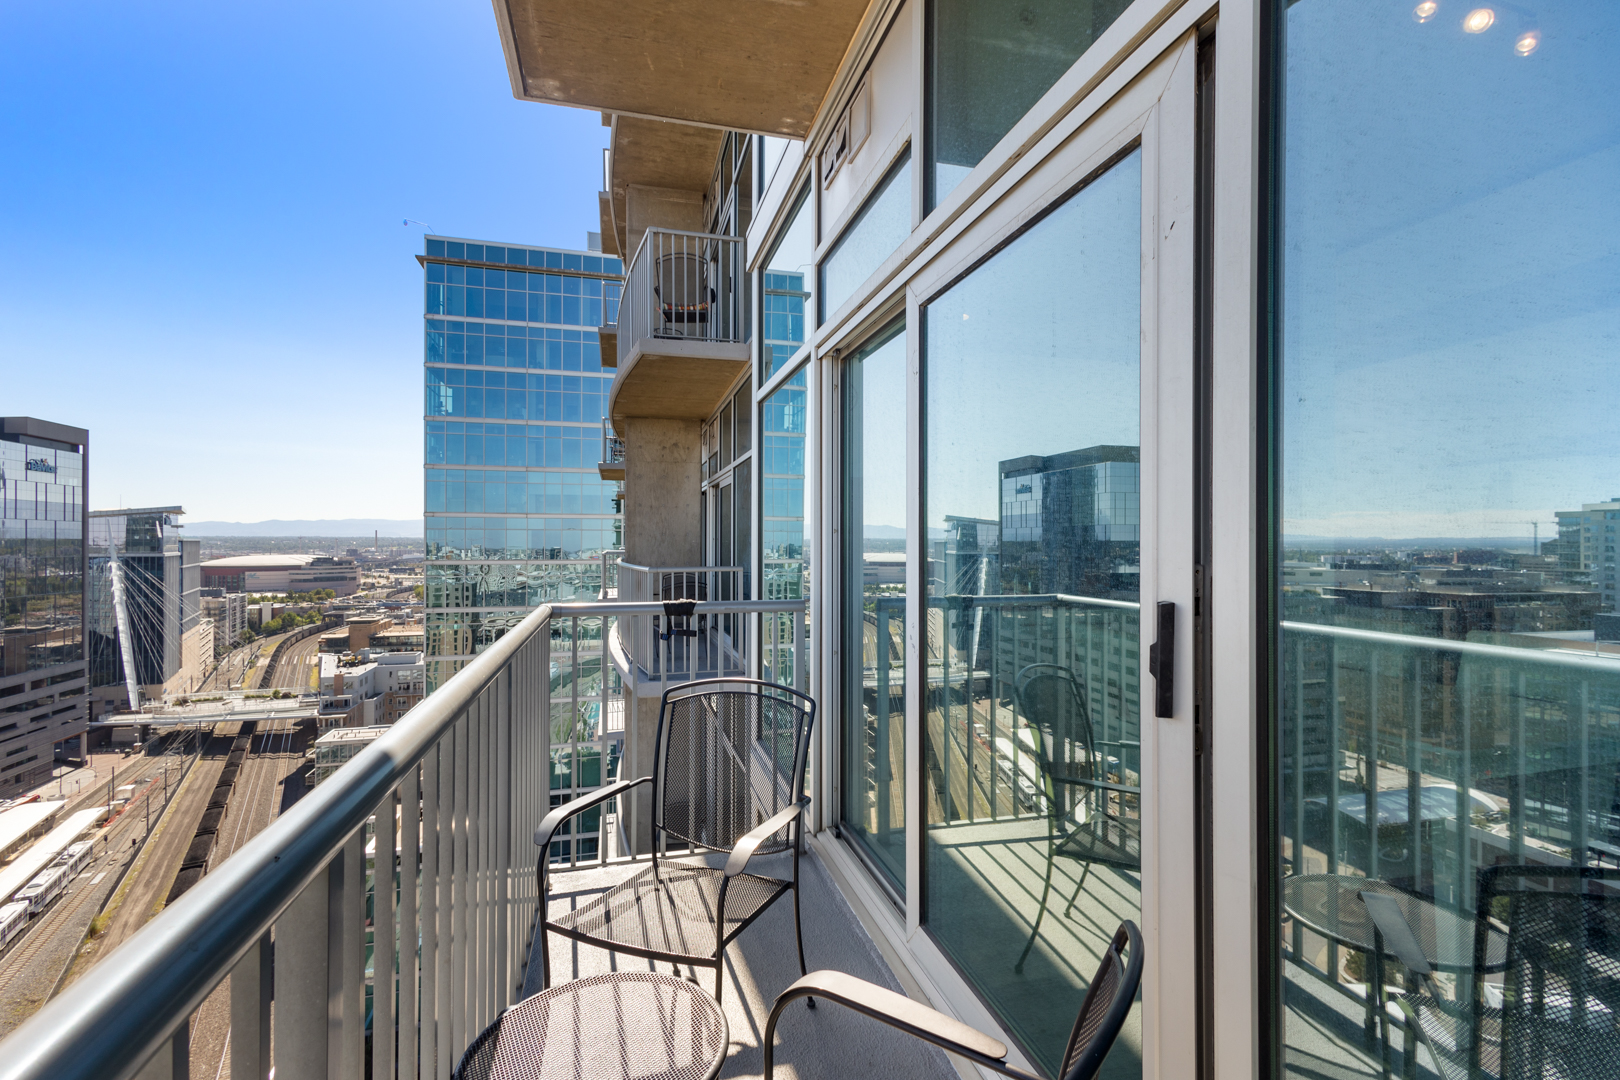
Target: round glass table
[625, 1024]
[1330, 905]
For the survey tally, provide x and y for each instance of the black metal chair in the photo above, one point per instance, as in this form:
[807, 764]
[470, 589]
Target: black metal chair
[1087, 815]
[685, 294]
[728, 777]
[1557, 1014]
[1103, 1010]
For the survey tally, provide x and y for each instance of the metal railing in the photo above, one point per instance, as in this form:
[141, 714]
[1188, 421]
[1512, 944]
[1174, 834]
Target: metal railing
[1418, 761]
[447, 797]
[989, 767]
[611, 557]
[394, 981]
[683, 285]
[612, 445]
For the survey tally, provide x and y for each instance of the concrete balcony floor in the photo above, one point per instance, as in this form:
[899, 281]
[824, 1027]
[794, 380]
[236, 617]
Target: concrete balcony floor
[830, 1043]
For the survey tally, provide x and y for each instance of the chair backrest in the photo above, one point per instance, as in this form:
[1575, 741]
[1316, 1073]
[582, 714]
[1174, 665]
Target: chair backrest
[731, 753]
[1052, 700]
[1107, 1002]
[1561, 988]
[683, 281]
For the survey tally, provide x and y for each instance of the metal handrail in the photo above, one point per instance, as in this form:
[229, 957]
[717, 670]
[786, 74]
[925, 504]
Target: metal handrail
[106, 1028]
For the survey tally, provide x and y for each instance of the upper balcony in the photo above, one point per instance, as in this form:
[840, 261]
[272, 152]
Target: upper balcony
[682, 339]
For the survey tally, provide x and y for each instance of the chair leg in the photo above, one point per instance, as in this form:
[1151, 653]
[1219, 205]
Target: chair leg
[545, 956]
[1083, 875]
[1046, 891]
[720, 975]
[798, 932]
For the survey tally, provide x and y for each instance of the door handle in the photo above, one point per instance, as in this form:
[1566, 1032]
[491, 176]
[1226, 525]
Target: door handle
[1162, 662]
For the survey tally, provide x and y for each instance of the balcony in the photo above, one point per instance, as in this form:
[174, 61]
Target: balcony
[449, 796]
[610, 466]
[682, 338]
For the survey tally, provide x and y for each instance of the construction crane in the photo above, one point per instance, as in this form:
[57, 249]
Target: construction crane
[1535, 532]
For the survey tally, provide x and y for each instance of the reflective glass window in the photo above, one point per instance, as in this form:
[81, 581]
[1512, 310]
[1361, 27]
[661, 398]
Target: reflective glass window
[1032, 787]
[883, 223]
[874, 562]
[988, 62]
[1449, 700]
[787, 278]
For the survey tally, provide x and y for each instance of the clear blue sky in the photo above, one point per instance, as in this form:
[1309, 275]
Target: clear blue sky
[203, 258]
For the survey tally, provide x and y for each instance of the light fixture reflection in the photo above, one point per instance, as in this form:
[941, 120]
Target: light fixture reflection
[1425, 11]
[1527, 43]
[1479, 20]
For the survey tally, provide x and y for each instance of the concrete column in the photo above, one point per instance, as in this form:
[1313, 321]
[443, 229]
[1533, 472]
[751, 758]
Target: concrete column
[662, 479]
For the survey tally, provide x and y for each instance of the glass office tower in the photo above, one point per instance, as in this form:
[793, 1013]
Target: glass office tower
[42, 533]
[516, 514]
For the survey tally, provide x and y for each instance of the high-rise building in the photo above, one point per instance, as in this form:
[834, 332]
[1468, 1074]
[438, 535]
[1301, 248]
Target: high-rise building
[1070, 522]
[43, 471]
[147, 638]
[516, 513]
[1587, 541]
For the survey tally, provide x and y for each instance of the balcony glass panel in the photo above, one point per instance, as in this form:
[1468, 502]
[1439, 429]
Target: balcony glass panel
[1031, 753]
[882, 224]
[988, 63]
[1448, 701]
[874, 632]
[786, 283]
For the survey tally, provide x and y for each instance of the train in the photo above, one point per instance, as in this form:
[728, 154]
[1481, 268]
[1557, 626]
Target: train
[46, 886]
[53, 881]
[13, 921]
[75, 856]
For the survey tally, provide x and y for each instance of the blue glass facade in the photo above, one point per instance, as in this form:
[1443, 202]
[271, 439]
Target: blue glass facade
[513, 399]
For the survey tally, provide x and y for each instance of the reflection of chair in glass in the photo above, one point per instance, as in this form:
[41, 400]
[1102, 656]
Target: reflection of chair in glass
[728, 777]
[684, 292]
[1103, 1010]
[1089, 818]
[1556, 1012]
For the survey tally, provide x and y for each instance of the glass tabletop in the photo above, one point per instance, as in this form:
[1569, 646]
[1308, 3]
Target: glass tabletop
[1330, 905]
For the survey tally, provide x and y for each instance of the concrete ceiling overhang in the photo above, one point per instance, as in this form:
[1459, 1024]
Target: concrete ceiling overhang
[657, 154]
[747, 65]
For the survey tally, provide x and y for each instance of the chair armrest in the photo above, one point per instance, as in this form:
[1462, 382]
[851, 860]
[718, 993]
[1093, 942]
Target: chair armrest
[554, 820]
[1105, 785]
[1397, 932]
[895, 1010]
[745, 848]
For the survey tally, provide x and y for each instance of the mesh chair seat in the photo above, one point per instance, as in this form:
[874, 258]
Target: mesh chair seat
[1110, 841]
[670, 914]
[626, 1024]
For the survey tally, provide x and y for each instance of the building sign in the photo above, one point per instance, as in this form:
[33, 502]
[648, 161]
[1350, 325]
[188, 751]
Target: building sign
[40, 465]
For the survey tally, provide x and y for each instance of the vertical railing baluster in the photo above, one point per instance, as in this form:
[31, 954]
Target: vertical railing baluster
[382, 951]
[1369, 763]
[410, 927]
[430, 1012]
[1414, 773]
[172, 1061]
[501, 821]
[1581, 805]
[299, 1025]
[460, 901]
[444, 983]
[251, 991]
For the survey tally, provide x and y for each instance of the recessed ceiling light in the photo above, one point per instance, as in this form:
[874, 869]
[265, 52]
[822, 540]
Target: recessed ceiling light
[1425, 11]
[1527, 42]
[1479, 20]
